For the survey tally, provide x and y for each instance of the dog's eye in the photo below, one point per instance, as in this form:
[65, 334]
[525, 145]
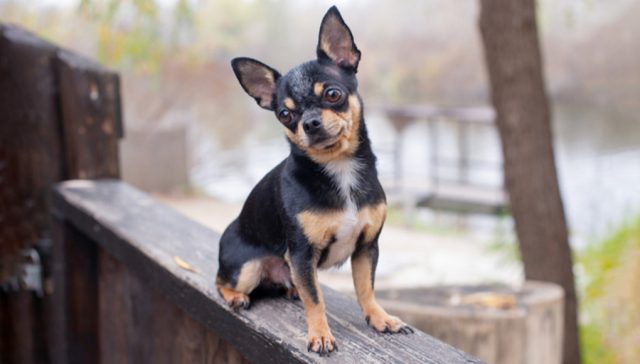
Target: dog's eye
[332, 95]
[285, 116]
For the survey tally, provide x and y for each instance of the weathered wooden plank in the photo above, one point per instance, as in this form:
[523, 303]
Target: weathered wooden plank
[146, 236]
[149, 328]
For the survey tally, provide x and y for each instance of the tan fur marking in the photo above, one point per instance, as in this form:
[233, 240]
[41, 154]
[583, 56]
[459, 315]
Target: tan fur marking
[346, 123]
[250, 276]
[374, 217]
[318, 87]
[298, 137]
[289, 103]
[315, 312]
[361, 272]
[319, 227]
[333, 122]
[230, 295]
[378, 318]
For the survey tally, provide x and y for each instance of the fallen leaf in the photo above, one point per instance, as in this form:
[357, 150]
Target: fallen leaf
[184, 265]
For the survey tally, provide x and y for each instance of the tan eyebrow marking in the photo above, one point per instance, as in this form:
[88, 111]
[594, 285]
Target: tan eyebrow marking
[289, 103]
[318, 87]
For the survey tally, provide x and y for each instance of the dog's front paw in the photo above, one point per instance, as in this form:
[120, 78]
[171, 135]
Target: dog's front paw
[322, 343]
[239, 301]
[384, 323]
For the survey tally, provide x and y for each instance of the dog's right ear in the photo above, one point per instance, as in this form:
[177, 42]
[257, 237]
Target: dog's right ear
[335, 42]
[257, 79]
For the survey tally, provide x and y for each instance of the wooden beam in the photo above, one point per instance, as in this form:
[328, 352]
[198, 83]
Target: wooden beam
[146, 237]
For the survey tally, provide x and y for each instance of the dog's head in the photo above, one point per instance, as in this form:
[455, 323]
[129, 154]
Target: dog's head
[317, 101]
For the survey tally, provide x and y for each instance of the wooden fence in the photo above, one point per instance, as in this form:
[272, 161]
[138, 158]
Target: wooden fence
[113, 283]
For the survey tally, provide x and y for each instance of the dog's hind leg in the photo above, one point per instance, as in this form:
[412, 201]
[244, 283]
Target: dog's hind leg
[236, 295]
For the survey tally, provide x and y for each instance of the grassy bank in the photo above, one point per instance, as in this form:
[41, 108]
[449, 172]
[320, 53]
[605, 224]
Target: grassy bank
[610, 302]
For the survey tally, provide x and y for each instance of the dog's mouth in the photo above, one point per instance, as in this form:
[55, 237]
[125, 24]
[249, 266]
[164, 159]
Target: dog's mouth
[328, 141]
[330, 145]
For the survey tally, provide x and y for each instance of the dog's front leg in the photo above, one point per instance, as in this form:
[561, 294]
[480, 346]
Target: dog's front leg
[363, 267]
[303, 263]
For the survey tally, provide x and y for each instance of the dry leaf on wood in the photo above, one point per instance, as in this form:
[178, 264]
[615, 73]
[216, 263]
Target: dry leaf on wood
[184, 265]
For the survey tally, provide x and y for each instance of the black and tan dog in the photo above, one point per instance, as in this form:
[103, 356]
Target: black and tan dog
[323, 203]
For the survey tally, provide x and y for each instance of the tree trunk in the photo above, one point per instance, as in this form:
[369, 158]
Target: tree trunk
[514, 62]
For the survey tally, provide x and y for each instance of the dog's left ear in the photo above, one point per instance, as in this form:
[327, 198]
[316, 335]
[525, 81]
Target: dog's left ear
[257, 79]
[335, 42]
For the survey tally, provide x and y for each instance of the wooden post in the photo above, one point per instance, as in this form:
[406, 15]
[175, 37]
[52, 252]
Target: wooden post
[91, 126]
[91, 117]
[60, 120]
[30, 152]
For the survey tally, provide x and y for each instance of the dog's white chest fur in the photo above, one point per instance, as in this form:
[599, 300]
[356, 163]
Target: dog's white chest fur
[345, 175]
[345, 239]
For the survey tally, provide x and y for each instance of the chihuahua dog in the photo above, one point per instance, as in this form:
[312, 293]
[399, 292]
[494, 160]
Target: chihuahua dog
[320, 206]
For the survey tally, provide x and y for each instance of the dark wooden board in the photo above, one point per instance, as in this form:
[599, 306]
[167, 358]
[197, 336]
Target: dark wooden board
[146, 236]
[139, 325]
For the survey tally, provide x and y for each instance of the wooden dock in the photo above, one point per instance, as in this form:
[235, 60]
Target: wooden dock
[461, 194]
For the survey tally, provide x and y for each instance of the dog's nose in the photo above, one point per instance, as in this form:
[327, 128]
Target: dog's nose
[311, 126]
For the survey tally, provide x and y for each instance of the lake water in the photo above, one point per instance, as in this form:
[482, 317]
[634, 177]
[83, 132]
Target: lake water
[598, 161]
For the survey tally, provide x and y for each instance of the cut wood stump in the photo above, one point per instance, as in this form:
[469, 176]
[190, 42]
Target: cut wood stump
[496, 323]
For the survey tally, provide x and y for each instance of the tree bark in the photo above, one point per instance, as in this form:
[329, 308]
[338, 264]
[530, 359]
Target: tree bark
[514, 62]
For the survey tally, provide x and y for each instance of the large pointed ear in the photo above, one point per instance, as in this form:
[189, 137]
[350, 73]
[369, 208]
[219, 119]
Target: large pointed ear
[257, 79]
[335, 42]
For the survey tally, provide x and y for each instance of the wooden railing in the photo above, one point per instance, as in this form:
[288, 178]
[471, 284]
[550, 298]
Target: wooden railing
[152, 307]
[123, 278]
